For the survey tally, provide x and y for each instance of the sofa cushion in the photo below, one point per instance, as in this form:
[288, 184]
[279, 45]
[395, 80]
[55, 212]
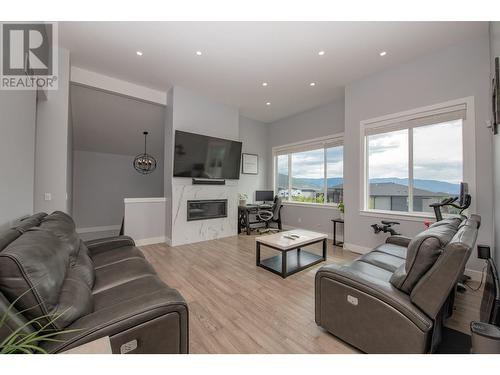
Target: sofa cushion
[386, 261]
[423, 251]
[63, 226]
[105, 258]
[392, 249]
[128, 290]
[36, 267]
[116, 274]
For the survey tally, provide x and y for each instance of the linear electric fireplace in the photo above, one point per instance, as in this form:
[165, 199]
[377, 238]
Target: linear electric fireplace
[206, 209]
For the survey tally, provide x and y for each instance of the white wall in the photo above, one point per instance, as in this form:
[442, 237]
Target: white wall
[17, 151]
[145, 220]
[456, 72]
[495, 52]
[101, 182]
[254, 135]
[51, 150]
[318, 122]
[198, 114]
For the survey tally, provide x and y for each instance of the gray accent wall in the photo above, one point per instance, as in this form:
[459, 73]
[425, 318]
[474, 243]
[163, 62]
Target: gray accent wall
[318, 122]
[456, 72]
[101, 182]
[17, 151]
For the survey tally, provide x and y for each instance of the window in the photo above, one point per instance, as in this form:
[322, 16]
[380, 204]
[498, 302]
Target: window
[310, 172]
[335, 174]
[414, 161]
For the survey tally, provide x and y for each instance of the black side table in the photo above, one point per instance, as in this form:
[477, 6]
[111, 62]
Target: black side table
[335, 221]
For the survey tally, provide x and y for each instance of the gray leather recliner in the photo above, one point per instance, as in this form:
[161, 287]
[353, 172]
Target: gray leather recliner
[97, 288]
[394, 299]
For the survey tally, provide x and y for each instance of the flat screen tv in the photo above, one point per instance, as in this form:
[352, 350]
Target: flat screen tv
[200, 156]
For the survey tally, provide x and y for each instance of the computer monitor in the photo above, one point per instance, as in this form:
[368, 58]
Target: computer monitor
[264, 195]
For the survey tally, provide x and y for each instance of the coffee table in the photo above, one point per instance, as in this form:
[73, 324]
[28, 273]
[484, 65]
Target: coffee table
[292, 258]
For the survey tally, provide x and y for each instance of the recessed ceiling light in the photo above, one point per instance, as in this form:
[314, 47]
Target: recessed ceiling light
[383, 53]
[312, 84]
[139, 53]
[321, 53]
[264, 84]
[268, 104]
[198, 53]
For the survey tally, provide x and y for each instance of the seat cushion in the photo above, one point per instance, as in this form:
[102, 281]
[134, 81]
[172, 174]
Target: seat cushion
[120, 273]
[391, 249]
[386, 261]
[116, 255]
[368, 270]
[117, 294]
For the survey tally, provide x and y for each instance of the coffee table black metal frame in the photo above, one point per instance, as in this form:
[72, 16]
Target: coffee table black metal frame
[291, 260]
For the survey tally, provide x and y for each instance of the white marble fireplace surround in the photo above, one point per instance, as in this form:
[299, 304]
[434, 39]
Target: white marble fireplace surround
[185, 232]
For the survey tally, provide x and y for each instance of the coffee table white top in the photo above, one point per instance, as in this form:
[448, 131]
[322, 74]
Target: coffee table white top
[279, 241]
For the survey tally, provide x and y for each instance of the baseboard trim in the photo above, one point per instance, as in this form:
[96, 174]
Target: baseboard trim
[150, 241]
[357, 249]
[103, 228]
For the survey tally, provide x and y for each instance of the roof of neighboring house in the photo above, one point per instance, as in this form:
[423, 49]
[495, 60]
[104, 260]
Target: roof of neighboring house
[386, 189]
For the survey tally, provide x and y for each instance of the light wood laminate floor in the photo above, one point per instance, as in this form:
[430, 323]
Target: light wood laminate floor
[237, 307]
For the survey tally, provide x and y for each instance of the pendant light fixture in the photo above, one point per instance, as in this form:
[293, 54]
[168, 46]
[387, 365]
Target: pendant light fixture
[145, 163]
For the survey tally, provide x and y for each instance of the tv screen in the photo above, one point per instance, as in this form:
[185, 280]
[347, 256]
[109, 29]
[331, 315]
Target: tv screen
[201, 156]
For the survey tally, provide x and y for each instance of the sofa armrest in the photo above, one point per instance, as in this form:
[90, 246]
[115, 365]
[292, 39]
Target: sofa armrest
[485, 338]
[104, 244]
[398, 240]
[352, 275]
[157, 322]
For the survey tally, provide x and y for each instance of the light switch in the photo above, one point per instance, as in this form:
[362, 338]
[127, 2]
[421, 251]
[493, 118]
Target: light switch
[48, 196]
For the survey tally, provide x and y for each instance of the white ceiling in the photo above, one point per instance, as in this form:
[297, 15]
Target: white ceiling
[239, 56]
[110, 123]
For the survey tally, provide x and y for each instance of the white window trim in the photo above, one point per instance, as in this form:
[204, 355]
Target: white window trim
[469, 152]
[294, 147]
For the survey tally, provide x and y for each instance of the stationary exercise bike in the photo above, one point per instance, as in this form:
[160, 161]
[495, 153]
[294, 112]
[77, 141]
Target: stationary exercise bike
[386, 227]
[464, 201]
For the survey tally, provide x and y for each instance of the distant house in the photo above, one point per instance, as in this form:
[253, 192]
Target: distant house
[336, 193]
[394, 197]
[390, 196]
[308, 193]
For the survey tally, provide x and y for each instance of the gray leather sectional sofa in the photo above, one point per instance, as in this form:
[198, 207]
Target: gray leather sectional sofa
[97, 288]
[395, 298]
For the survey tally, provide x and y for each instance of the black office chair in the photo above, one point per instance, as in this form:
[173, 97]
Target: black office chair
[271, 216]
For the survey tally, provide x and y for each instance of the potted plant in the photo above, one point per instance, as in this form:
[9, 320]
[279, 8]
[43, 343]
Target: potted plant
[341, 209]
[243, 199]
[20, 342]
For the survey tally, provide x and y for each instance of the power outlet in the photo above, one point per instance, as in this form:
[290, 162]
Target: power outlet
[47, 196]
[299, 220]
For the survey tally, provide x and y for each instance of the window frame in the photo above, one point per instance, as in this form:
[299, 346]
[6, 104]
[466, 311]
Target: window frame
[314, 144]
[395, 122]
